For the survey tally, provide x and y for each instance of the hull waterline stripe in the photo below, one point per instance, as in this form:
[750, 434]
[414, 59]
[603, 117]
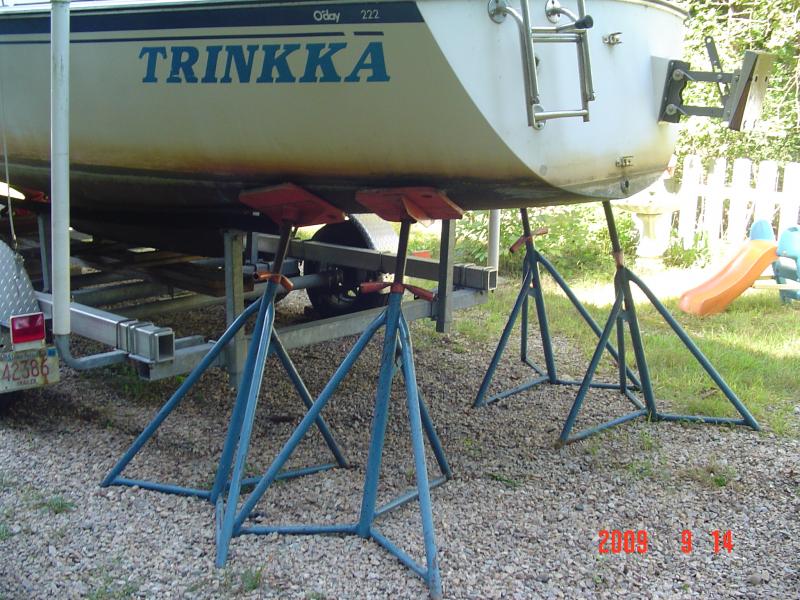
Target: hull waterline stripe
[216, 18]
[185, 38]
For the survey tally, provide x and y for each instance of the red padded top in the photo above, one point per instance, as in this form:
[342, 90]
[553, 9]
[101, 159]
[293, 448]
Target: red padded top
[293, 204]
[409, 204]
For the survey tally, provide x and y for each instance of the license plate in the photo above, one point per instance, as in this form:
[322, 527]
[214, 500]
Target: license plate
[28, 369]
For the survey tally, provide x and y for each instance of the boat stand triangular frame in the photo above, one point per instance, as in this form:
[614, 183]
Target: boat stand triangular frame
[250, 387]
[532, 288]
[231, 518]
[624, 311]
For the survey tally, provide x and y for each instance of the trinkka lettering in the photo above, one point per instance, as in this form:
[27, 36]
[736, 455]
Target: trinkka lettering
[263, 63]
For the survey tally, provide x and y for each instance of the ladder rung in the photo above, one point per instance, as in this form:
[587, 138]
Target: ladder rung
[560, 114]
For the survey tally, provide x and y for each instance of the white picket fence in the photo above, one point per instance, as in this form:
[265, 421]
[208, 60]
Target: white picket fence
[722, 210]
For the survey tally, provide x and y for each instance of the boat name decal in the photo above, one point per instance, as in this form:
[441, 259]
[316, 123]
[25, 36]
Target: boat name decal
[268, 63]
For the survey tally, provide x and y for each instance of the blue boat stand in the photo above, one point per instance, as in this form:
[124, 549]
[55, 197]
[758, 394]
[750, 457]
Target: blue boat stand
[265, 341]
[397, 354]
[532, 288]
[623, 312]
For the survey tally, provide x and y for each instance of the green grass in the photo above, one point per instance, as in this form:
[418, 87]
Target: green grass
[506, 481]
[5, 532]
[6, 481]
[472, 448]
[641, 468]
[109, 590]
[712, 474]
[755, 346]
[56, 505]
[251, 580]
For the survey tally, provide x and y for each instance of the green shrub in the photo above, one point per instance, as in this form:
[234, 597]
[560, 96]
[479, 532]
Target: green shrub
[577, 241]
[678, 256]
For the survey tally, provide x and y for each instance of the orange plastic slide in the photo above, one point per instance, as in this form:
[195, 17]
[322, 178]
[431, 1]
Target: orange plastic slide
[714, 295]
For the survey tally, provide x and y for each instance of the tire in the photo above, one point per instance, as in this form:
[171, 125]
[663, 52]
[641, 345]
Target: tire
[344, 297]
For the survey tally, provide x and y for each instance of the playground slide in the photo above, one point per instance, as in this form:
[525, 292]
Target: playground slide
[714, 295]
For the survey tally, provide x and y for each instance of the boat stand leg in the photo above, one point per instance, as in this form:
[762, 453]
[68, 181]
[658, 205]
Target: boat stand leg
[380, 416]
[531, 257]
[209, 359]
[242, 435]
[242, 394]
[432, 575]
[434, 441]
[624, 311]
[480, 399]
[308, 401]
[240, 429]
[590, 371]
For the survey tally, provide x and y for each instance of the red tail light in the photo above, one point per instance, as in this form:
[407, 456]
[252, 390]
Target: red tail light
[27, 328]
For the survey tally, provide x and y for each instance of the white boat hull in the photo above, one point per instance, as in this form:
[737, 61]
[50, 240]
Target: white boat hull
[178, 106]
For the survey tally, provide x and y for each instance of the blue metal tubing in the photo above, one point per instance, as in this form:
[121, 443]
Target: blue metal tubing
[161, 487]
[402, 557]
[420, 464]
[634, 400]
[622, 284]
[699, 356]
[235, 425]
[599, 385]
[523, 326]
[587, 379]
[302, 390]
[427, 422]
[541, 313]
[592, 430]
[527, 361]
[435, 442]
[381, 415]
[583, 312]
[501, 345]
[621, 361]
[308, 420]
[262, 338]
[299, 529]
[701, 419]
[518, 389]
[179, 394]
[293, 474]
[543, 378]
[407, 497]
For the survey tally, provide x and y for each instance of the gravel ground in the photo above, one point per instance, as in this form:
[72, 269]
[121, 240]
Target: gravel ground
[520, 519]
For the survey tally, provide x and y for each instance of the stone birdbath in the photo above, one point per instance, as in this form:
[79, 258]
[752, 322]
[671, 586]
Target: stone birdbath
[652, 210]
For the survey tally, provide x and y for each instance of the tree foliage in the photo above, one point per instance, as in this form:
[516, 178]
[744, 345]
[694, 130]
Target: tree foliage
[737, 26]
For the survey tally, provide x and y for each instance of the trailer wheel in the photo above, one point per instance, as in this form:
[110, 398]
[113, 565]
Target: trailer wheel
[344, 296]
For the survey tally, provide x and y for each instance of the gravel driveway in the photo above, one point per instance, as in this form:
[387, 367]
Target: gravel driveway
[520, 519]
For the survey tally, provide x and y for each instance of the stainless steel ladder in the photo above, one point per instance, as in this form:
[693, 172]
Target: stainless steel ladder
[572, 32]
